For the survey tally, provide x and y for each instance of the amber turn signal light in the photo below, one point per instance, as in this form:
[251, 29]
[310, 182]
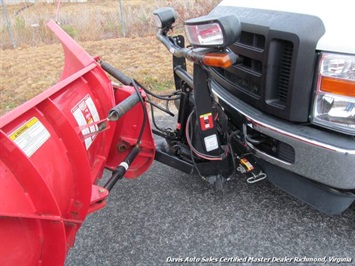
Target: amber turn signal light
[217, 60]
[338, 86]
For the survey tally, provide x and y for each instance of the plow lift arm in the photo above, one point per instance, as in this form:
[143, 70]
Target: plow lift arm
[202, 142]
[53, 151]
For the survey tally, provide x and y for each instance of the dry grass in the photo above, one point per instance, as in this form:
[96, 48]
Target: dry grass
[29, 70]
[94, 20]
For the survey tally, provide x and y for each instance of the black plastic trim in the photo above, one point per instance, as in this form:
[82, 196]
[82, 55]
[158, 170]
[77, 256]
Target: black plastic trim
[324, 199]
[290, 38]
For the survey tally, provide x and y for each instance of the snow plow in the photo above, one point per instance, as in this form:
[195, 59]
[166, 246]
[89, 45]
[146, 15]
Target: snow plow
[54, 149]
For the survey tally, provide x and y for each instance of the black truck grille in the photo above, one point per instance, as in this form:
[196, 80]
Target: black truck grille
[263, 77]
[279, 61]
[283, 64]
[252, 39]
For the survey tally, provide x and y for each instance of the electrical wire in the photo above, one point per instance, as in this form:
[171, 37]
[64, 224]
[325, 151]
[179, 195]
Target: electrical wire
[229, 149]
[165, 97]
[233, 160]
[199, 154]
[145, 115]
[153, 104]
[165, 131]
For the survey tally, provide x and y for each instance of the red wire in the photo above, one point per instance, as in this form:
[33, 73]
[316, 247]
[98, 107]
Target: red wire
[201, 155]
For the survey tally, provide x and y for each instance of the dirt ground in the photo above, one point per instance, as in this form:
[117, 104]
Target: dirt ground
[26, 72]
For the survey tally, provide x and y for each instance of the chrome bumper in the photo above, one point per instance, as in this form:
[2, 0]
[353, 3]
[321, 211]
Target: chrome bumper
[319, 155]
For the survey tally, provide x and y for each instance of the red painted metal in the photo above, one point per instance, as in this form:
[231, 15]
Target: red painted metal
[49, 171]
[126, 135]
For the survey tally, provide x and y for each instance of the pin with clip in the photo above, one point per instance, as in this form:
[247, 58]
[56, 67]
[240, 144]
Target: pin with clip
[92, 129]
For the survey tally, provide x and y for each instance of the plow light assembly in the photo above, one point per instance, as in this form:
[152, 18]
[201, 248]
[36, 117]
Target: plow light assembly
[211, 31]
[334, 105]
[164, 17]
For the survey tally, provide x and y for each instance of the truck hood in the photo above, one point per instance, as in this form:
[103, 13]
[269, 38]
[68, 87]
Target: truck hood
[338, 19]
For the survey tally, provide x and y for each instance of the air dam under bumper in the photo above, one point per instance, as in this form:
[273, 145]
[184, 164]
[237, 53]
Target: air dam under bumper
[319, 156]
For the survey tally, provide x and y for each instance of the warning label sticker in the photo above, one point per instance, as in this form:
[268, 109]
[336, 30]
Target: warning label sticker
[85, 113]
[206, 121]
[211, 142]
[30, 136]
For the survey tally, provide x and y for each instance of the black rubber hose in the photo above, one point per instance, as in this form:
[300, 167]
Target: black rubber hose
[114, 72]
[119, 172]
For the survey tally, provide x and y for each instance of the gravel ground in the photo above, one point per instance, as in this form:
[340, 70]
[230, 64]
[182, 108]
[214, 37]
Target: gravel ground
[166, 215]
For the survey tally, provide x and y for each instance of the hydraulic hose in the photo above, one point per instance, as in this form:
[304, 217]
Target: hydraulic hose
[114, 72]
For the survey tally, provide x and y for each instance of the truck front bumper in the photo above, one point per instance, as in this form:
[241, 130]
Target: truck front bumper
[324, 157]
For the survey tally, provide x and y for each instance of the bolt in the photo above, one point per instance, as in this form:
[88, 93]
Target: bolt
[121, 147]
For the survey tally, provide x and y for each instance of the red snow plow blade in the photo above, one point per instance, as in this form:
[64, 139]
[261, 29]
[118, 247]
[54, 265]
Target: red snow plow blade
[50, 165]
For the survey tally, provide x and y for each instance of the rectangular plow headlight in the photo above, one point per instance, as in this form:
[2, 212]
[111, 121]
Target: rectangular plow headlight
[210, 31]
[205, 35]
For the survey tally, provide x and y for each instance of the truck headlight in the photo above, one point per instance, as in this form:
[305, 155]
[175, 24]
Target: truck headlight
[334, 104]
